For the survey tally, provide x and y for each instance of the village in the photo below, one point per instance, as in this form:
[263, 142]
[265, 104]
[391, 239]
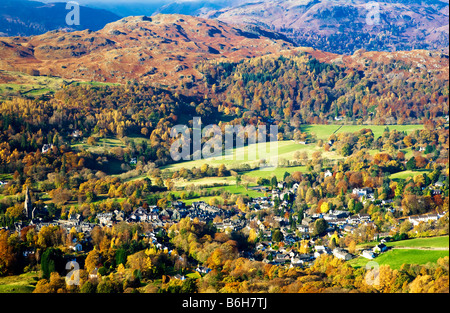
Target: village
[280, 252]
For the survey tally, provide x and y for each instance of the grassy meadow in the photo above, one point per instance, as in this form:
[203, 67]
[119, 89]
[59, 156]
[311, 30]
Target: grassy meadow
[413, 251]
[286, 150]
[395, 258]
[34, 86]
[24, 283]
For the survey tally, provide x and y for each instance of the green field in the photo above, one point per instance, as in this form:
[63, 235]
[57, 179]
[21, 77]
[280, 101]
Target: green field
[206, 181]
[101, 145]
[433, 242]
[6, 176]
[204, 199]
[34, 86]
[406, 174]
[24, 283]
[240, 156]
[396, 257]
[278, 172]
[240, 190]
[287, 148]
[30, 85]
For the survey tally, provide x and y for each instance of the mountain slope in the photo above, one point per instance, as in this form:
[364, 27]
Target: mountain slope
[27, 18]
[162, 49]
[340, 26]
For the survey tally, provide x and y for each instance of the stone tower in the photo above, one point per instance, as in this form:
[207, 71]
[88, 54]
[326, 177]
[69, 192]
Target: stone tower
[28, 205]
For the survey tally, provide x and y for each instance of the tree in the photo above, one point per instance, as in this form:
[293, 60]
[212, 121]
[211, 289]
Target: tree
[189, 286]
[352, 246]
[411, 164]
[91, 141]
[304, 247]
[7, 255]
[52, 261]
[273, 181]
[325, 207]
[320, 227]
[351, 205]
[277, 235]
[88, 287]
[93, 260]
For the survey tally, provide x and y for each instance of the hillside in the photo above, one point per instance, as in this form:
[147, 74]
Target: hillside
[162, 48]
[28, 18]
[340, 26]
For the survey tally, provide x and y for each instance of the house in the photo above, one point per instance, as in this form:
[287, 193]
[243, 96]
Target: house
[119, 215]
[354, 220]
[364, 217]
[296, 261]
[76, 133]
[439, 184]
[93, 274]
[139, 215]
[368, 254]
[319, 250]
[281, 185]
[349, 229]
[133, 160]
[77, 247]
[203, 270]
[180, 277]
[28, 252]
[105, 218]
[281, 258]
[342, 254]
[380, 248]
[46, 148]
[328, 173]
[415, 220]
[303, 228]
[360, 192]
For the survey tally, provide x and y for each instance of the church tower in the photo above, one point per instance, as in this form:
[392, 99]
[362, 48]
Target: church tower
[28, 205]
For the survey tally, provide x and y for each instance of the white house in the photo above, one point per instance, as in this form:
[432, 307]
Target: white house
[46, 148]
[368, 254]
[319, 250]
[379, 248]
[415, 220]
[342, 254]
[203, 270]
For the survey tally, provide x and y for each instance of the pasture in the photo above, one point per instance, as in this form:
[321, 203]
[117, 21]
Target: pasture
[411, 251]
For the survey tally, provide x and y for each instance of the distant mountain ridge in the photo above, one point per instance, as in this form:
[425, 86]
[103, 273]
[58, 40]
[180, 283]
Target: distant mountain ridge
[28, 18]
[340, 26]
[162, 49]
[337, 26]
